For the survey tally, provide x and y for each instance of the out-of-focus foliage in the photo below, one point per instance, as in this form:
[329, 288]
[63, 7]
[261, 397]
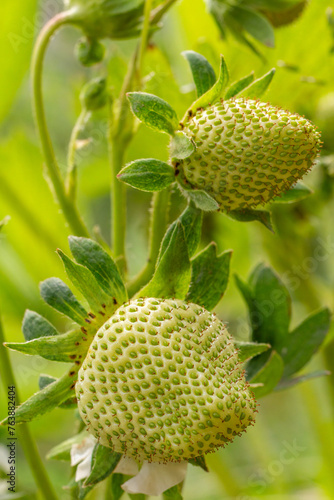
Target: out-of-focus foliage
[296, 424]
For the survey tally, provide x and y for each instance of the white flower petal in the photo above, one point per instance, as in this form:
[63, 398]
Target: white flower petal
[154, 479]
[80, 451]
[127, 466]
[84, 468]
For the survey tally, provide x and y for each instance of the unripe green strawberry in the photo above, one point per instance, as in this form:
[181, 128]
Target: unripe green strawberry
[162, 381]
[247, 152]
[286, 16]
[115, 19]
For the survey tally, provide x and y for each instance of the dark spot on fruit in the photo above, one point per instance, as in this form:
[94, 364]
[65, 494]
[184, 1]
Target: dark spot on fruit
[73, 356]
[114, 301]
[72, 373]
[104, 306]
[73, 385]
[77, 343]
[177, 171]
[91, 315]
[87, 320]
[83, 329]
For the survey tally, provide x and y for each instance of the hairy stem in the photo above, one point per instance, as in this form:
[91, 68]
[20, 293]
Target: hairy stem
[145, 33]
[23, 432]
[158, 226]
[67, 205]
[71, 175]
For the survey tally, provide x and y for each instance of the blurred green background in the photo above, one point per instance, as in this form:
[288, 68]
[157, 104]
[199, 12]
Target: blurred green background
[289, 454]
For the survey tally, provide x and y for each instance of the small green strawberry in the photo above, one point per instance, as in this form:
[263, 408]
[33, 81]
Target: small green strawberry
[286, 16]
[162, 381]
[247, 152]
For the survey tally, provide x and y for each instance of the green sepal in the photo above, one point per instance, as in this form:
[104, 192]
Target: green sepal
[255, 24]
[68, 404]
[296, 193]
[202, 200]
[90, 254]
[248, 215]
[46, 400]
[173, 493]
[238, 86]
[104, 461]
[304, 341]
[259, 86]
[35, 326]
[148, 175]
[203, 73]
[247, 350]
[213, 94]
[57, 295]
[269, 375]
[191, 220]
[64, 347]
[116, 486]
[181, 147]
[287, 383]
[154, 112]
[209, 277]
[199, 462]
[63, 450]
[173, 271]
[86, 283]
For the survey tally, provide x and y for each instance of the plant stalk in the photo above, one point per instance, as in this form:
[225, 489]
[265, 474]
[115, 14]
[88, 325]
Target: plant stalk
[67, 204]
[71, 175]
[23, 432]
[158, 226]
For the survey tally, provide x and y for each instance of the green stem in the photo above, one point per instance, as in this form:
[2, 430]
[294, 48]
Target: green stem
[158, 226]
[71, 175]
[68, 207]
[224, 474]
[23, 432]
[145, 33]
[158, 13]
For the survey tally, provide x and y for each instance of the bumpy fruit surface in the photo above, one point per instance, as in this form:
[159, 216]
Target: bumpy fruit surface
[162, 381]
[115, 19]
[247, 152]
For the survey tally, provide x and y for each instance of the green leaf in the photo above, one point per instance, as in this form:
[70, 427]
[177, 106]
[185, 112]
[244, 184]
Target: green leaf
[296, 193]
[172, 275]
[63, 347]
[154, 112]
[202, 200]
[116, 490]
[259, 86]
[255, 24]
[287, 383]
[104, 461]
[191, 220]
[181, 147]
[209, 277]
[59, 296]
[46, 400]
[173, 493]
[212, 95]
[199, 462]
[238, 86]
[304, 341]
[148, 174]
[248, 350]
[90, 254]
[63, 450]
[86, 283]
[68, 404]
[269, 375]
[35, 326]
[271, 311]
[202, 71]
[262, 216]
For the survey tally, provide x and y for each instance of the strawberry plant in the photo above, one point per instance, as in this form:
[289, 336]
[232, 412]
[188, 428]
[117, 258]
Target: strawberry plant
[155, 376]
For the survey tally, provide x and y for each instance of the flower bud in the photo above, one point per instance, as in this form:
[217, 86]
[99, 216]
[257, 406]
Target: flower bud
[94, 94]
[89, 51]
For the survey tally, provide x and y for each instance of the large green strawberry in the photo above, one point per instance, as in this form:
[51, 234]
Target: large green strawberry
[247, 152]
[162, 381]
